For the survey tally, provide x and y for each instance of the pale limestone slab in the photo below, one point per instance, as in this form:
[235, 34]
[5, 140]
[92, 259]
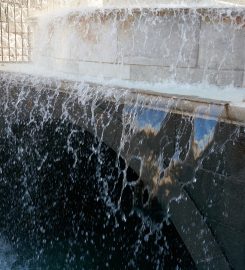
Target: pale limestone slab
[80, 38]
[186, 75]
[223, 77]
[104, 70]
[96, 40]
[149, 73]
[222, 46]
[159, 40]
[161, 74]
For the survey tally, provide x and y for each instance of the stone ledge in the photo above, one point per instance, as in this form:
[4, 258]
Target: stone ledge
[186, 75]
[183, 104]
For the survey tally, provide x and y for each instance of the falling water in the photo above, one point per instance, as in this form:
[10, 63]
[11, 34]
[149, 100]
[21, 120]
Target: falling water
[70, 200]
[154, 45]
[94, 176]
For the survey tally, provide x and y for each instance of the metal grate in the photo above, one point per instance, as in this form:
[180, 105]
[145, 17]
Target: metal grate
[39, 4]
[14, 43]
[15, 33]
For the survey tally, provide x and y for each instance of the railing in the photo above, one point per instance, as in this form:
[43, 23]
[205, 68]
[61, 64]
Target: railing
[14, 30]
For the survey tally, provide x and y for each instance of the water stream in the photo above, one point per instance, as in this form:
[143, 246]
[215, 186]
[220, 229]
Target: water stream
[100, 177]
[68, 200]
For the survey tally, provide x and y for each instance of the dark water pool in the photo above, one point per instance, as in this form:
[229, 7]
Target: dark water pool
[68, 202]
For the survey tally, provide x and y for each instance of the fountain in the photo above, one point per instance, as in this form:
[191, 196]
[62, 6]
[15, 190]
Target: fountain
[123, 142]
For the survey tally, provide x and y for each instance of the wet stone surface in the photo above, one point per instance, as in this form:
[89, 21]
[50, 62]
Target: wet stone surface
[54, 203]
[68, 201]
[89, 181]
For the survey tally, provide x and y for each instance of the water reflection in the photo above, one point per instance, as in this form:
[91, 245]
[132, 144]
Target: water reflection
[146, 118]
[203, 134]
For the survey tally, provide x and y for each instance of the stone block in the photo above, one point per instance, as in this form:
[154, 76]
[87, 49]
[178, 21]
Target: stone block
[93, 39]
[233, 243]
[223, 77]
[161, 74]
[159, 40]
[186, 75]
[66, 66]
[78, 37]
[149, 73]
[104, 70]
[222, 46]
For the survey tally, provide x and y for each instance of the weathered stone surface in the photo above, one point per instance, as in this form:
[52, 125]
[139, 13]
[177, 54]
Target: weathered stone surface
[96, 40]
[186, 75]
[221, 46]
[79, 38]
[165, 140]
[149, 73]
[158, 46]
[159, 40]
[161, 74]
[223, 77]
[233, 243]
[104, 70]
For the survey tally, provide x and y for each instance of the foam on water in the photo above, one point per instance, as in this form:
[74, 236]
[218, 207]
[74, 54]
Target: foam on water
[204, 90]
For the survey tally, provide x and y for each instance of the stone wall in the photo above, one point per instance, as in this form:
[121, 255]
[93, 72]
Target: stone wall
[162, 2]
[154, 45]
